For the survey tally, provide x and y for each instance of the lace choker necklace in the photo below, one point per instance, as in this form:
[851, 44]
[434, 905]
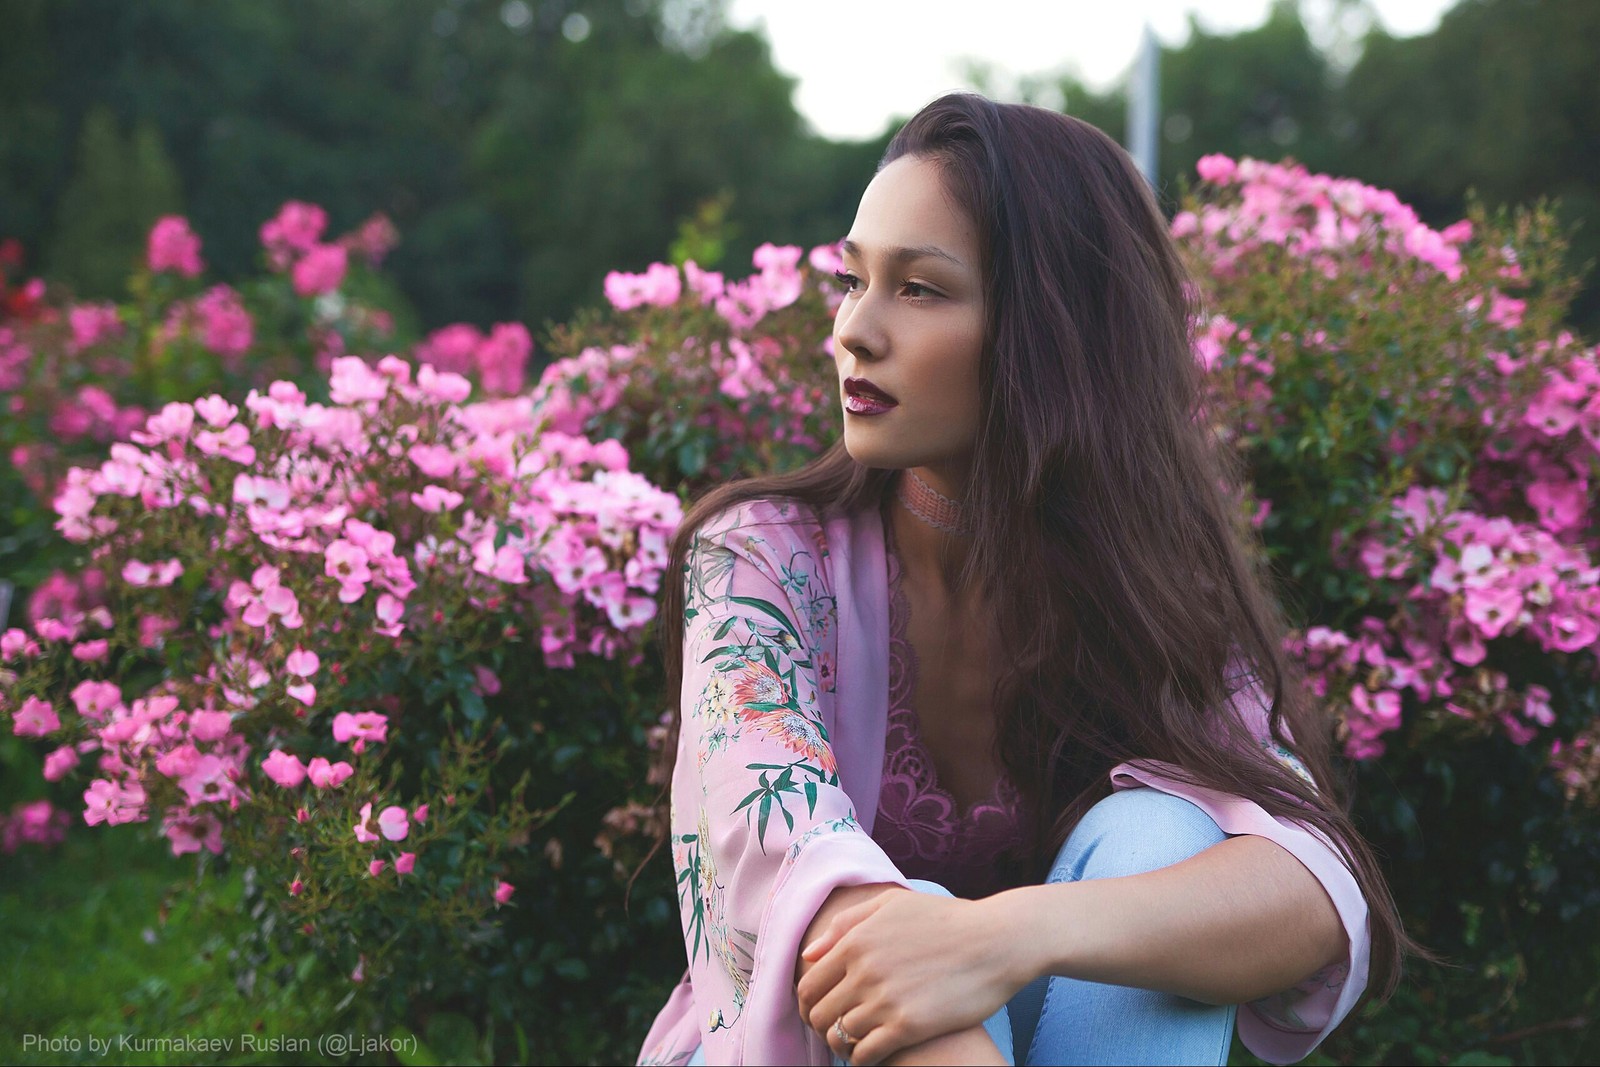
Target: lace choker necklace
[932, 506]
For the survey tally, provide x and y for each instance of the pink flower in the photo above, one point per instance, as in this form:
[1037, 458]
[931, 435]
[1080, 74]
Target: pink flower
[488, 681]
[304, 692]
[503, 359]
[1216, 168]
[209, 725]
[363, 832]
[421, 814]
[179, 762]
[442, 385]
[106, 802]
[153, 629]
[95, 700]
[375, 868]
[173, 246]
[285, 769]
[1493, 609]
[15, 643]
[321, 270]
[390, 610]
[190, 832]
[60, 763]
[502, 892]
[346, 563]
[91, 651]
[35, 718]
[325, 775]
[225, 326]
[92, 323]
[404, 862]
[296, 887]
[302, 662]
[392, 823]
[140, 574]
[659, 286]
[301, 815]
[360, 728]
[435, 498]
[297, 228]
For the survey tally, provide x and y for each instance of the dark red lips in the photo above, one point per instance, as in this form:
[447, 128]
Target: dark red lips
[862, 387]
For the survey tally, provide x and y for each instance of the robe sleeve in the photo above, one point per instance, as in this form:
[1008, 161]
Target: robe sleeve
[761, 829]
[1286, 1026]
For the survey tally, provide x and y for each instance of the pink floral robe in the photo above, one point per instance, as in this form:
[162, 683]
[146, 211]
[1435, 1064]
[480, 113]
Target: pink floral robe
[785, 704]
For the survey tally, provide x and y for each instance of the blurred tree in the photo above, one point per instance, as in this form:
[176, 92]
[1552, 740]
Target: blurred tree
[523, 148]
[1501, 99]
[1265, 92]
[120, 187]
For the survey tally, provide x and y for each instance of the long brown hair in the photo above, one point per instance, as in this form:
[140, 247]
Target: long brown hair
[1124, 589]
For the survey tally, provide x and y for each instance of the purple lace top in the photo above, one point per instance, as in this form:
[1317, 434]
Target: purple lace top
[972, 853]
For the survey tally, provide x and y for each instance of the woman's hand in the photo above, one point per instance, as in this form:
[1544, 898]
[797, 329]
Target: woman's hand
[906, 967]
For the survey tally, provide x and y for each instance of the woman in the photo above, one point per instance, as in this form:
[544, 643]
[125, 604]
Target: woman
[1002, 641]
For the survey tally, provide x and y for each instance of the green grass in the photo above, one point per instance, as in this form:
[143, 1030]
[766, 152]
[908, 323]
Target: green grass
[109, 937]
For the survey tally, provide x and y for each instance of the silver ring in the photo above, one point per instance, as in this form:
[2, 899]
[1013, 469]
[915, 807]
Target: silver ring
[844, 1035]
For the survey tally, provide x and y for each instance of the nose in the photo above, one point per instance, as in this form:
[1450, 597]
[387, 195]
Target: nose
[858, 328]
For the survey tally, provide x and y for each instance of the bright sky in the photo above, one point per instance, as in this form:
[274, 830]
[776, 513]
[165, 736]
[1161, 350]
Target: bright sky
[862, 63]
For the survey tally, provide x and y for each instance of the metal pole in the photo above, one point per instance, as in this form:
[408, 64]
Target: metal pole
[1144, 105]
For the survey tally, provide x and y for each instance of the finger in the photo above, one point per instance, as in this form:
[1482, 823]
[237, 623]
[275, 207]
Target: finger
[854, 1027]
[838, 926]
[875, 1047]
[823, 976]
[845, 1000]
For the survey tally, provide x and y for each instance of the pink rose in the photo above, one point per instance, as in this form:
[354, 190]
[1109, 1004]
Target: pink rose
[284, 769]
[325, 775]
[360, 728]
[58, 764]
[302, 662]
[321, 270]
[503, 891]
[35, 718]
[404, 862]
[392, 823]
[173, 246]
[1216, 168]
[364, 832]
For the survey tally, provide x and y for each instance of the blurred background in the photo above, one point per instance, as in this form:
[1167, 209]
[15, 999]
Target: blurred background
[525, 148]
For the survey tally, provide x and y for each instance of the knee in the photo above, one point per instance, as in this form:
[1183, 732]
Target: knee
[1133, 831]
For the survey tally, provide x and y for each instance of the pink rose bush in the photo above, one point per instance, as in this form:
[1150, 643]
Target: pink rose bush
[357, 574]
[1422, 439]
[746, 364]
[1480, 412]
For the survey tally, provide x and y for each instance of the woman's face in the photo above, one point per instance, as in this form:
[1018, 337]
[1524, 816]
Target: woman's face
[911, 326]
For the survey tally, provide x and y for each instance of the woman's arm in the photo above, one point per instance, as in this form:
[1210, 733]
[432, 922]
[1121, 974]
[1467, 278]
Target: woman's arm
[1238, 921]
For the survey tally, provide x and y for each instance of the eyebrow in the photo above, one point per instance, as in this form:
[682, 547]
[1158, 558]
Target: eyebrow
[904, 254]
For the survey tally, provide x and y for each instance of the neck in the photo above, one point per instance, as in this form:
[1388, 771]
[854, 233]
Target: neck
[932, 533]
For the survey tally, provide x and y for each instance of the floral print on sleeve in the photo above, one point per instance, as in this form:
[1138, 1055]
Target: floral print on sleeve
[756, 780]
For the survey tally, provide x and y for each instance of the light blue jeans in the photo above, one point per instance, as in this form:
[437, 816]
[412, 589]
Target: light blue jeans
[1068, 1021]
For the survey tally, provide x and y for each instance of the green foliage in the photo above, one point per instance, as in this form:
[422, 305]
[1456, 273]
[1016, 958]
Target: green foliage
[150, 953]
[121, 186]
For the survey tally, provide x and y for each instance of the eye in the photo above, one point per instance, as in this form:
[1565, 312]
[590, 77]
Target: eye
[847, 281]
[918, 291]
